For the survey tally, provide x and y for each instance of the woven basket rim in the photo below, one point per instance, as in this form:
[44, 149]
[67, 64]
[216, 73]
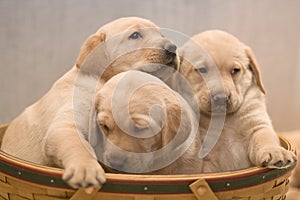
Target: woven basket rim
[50, 176]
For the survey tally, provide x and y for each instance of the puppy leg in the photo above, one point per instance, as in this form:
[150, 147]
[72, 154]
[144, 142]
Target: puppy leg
[68, 149]
[265, 150]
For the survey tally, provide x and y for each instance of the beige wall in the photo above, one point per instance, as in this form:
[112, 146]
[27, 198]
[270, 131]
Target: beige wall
[39, 41]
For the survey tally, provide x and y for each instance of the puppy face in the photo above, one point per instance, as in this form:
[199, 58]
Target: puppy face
[221, 72]
[145, 123]
[128, 43]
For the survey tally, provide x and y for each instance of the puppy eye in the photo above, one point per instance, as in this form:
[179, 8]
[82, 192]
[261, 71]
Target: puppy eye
[136, 35]
[202, 70]
[235, 71]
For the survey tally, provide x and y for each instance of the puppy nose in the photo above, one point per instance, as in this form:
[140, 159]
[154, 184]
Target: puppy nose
[116, 161]
[220, 98]
[170, 48]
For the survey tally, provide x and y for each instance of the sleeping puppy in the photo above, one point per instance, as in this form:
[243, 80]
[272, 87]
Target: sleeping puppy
[53, 131]
[148, 127]
[227, 81]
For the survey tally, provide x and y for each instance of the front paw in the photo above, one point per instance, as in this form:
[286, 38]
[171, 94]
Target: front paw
[275, 157]
[86, 173]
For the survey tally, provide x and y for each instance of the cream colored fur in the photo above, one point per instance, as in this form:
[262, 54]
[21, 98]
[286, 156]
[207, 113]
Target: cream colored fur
[247, 138]
[47, 132]
[140, 115]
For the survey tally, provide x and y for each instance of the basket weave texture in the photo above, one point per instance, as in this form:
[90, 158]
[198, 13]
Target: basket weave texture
[21, 180]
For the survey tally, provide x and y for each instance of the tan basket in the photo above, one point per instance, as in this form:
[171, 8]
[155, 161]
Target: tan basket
[24, 180]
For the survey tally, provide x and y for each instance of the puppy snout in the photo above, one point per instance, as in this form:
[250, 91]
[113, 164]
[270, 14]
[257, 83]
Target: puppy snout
[220, 98]
[116, 161]
[170, 48]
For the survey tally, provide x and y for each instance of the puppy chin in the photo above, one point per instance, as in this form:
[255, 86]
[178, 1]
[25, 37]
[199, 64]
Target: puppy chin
[219, 111]
[129, 165]
[113, 166]
[150, 68]
[216, 111]
[160, 57]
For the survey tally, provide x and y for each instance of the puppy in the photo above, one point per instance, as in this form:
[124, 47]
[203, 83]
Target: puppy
[227, 82]
[148, 127]
[54, 130]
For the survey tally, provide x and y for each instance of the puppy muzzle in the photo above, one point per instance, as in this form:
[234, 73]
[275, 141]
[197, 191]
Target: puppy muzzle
[116, 161]
[170, 51]
[220, 99]
[219, 102]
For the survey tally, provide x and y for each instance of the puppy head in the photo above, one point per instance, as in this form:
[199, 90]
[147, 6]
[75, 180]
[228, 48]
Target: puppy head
[221, 73]
[127, 43]
[145, 123]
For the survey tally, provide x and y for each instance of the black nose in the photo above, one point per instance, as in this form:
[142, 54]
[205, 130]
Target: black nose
[116, 162]
[220, 98]
[170, 48]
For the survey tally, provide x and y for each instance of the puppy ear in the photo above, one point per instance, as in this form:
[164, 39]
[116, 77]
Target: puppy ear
[181, 59]
[88, 46]
[96, 137]
[171, 126]
[166, 135]
[255, 69]
[95, 134]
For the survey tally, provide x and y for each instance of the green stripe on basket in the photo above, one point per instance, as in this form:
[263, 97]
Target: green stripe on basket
[168, 188]
[32, 176]
[146, 188]
[113, 186]
[248, 181]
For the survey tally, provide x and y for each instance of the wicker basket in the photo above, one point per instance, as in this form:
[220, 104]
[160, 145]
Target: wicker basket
[23, 180]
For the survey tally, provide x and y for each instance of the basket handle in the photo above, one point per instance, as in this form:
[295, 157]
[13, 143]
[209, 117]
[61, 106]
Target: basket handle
[201, 190]
[82, 194]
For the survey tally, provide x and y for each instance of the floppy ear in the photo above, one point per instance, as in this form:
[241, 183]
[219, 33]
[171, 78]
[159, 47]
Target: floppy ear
[96, 135]
[181, 59]
[88, 46]
[166, 135]
[255, 69]
[172, 123]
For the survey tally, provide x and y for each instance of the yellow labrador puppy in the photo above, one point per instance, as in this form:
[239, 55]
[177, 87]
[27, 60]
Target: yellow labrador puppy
[227, 81]
[148, 127]
[49, 132]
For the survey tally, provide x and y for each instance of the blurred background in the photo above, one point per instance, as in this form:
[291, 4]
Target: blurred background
[40, 40]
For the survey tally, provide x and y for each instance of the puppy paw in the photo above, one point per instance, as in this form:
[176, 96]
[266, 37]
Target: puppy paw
[275, 157]
[84, 174]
